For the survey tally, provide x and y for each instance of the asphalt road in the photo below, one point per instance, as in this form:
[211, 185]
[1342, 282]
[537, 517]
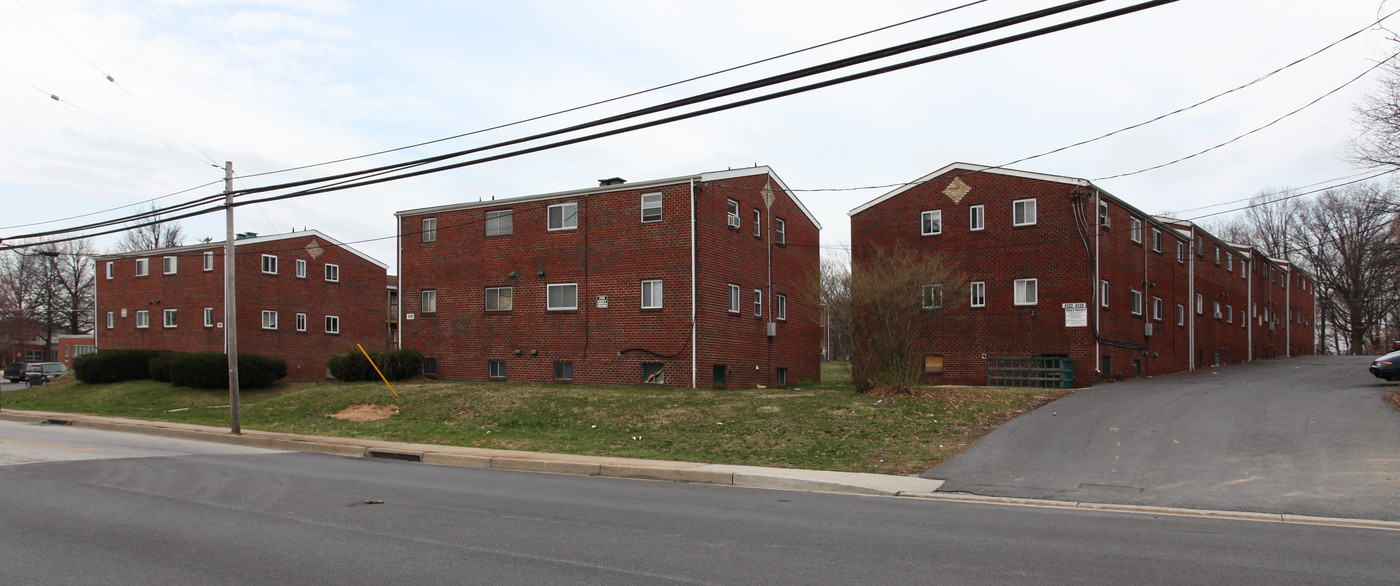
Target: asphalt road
[259, 517]
[1308, 436]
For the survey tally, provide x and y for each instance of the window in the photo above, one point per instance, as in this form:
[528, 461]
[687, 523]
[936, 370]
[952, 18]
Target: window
[651, 209]
[429, 301]
[269, 319]
[563, 216]
[1230, 263]
[499, 298]
[430, 366]
[1229, 314]
[269, 264]
[655, 374]
[1137, 302]
[1243, 320]
[1217, 256]
[208, 317]
[169, 264]
[1157, 308]
[780, 236]
[976, 218]
[1180, 315]
[1103, 215]
[733, 216]
[496, 368]
[110, 269]
[332, 324]
[1023, 212]
[301, 322]
[1180, 251]
[1103, 293]
[1156, 240]
[651, 294]
[333, 273]
[1200, 246]
[301, 268]
[933, 364]
[757, 302]
[932, 297]
[429, 230]
[782, 377]
[1024, 291]
[563, 296]
[780, 307]
[142, 266]
[1135, 230]
[563, 371]
[143, 319]
[1216, 311]
[209, 260]
[733, 299]
[1200, 304]
[500, 222]
[932, 222]
[111, 320]
[978, 294]
[757, 223]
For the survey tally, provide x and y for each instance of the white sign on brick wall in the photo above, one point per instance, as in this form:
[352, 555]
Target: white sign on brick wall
[1076, 315]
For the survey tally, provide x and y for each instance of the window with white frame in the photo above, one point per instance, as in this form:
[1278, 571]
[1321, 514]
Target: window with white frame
[1103, 215]
[932, 297]
[1157, 308]
[208, 260]
[651, 207]
[757, 302]
[301, 322]
[1243, 319]
[780, 231]
[143, 266]
[208, 317]
[1216, 313]
[429, 301]
[1103, 293]
[780, 307]
[931, 222]
[563, 216]
[1200, 246]
[976, 218]
[1200, 304]
[500, 298]
[1229, 263]
[1217, 256]
[651, 294]
[1229, 314]
[111, 320]
[269, 264]
[269, 319]
[333, 273]
[169, 265]
[732, 208]
[500, 222]
[1180, 315]
[301, 268]
[332, 324]
[111, 271]
[1024, 291]
[496, 368]
[170, 318]
[1180, 251]
[733, 299]
[1135, 230]
[143, 318]
[1137, 302]
[1156, 240]
[562, 296]
[757, 223]
[428, 231]
[977, 294]
[1023, 212]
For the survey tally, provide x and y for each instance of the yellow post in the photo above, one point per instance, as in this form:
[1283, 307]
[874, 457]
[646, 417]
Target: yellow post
[376, 370]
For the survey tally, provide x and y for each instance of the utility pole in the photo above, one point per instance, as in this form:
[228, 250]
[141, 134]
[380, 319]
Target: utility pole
[230, 305]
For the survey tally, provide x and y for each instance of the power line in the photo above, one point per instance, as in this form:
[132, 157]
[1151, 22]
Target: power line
[112, 209]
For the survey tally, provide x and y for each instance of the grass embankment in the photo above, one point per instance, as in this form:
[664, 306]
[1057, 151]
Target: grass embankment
[826, 426]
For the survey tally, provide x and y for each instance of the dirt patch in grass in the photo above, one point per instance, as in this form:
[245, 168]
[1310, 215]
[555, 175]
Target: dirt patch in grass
[1394, 399]
[366, 412]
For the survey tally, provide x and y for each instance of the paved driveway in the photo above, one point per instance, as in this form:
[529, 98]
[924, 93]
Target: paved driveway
[1307, 436]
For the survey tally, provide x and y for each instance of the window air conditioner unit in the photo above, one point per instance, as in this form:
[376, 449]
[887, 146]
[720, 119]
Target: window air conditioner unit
[733, 221]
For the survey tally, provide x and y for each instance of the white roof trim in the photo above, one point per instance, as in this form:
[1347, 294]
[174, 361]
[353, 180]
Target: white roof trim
[763, 170]
[967, 167]
[238, 242]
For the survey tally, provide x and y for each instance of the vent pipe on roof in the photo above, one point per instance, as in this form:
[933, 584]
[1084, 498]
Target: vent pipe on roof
[611, 181]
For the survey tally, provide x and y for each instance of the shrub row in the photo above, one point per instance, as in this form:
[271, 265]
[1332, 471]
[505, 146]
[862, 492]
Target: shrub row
[205, 370]
[395, 364]
[112, 366]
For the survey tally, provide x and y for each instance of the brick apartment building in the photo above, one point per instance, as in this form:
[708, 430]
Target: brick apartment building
[302, 296]
[699, 281]
[1158, 295]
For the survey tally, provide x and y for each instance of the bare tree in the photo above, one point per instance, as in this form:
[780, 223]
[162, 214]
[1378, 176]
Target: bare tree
[1377, 142]
[145, 235]
[897, 296]
[74, 276]
[834, 289]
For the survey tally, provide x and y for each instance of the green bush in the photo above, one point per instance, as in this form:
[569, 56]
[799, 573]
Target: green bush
[209, 370]
[395, 364]
[110, 366]
[160, 366]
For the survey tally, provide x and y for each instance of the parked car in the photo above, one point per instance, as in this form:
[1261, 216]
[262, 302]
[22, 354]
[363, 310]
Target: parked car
[39, 373]
[1387, 367]
[14, 371]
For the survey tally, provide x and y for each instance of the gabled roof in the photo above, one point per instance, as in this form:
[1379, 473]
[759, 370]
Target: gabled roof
[971, 169]
[240, 242]
[614, 187]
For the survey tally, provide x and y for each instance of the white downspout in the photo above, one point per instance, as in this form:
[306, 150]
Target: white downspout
[1249, 293]
[1288, 309]
[398, 317]
[1098, 286]
[694, 364]
[1191, 300]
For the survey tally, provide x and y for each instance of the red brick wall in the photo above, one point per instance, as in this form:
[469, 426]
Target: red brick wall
[357, 299]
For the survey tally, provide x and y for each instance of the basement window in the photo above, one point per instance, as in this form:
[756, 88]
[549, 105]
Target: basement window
[654, 374]
[933, 364]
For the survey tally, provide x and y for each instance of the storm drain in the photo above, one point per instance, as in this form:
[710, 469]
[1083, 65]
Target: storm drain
[52, 421]
[392, 455]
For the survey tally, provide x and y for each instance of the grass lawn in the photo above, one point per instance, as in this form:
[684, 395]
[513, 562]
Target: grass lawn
[825, 426]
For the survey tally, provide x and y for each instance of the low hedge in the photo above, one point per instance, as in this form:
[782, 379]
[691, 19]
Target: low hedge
[395, 364]
[209, 370]
[112, 366]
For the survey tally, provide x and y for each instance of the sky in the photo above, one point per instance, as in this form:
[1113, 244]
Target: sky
[275, 84]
